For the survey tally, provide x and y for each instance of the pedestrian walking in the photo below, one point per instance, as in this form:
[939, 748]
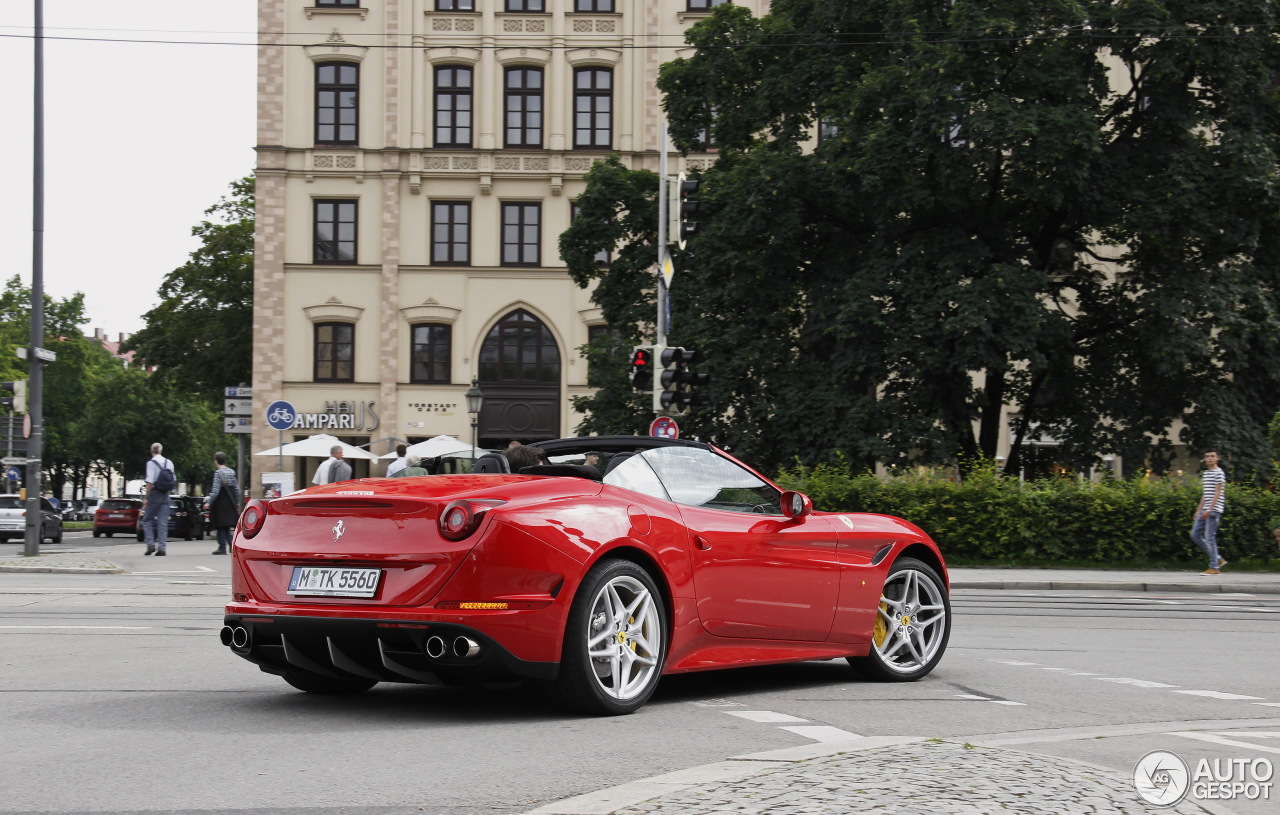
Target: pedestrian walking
[322, 472]
[223, 502]
[415, 468]
[399, 463]
[160, 481]
[1213, 502]
[339, 470]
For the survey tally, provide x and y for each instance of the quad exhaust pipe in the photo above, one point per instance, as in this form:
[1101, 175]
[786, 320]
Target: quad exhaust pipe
[462, 647]
[465, 648]
[236, 637]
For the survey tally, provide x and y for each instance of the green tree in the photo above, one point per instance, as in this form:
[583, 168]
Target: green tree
[66, 381]
[1070, 208]
[200, 337]
[129, 409]
[617, 213]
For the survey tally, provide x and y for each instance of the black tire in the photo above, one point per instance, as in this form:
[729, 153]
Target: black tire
[97, 534]
[108, 534]
[58, 537]
[590, 683]
[141, 537]
[190, 535]
[913, 625]
[328, 686]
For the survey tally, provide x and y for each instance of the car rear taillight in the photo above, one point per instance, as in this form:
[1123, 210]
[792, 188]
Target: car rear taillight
[255, 515]
[462, 517]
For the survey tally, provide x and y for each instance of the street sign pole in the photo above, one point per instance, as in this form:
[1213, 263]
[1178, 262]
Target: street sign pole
[35, 364]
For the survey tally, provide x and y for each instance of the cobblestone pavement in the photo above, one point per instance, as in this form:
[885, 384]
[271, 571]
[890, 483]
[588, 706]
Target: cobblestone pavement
[925, 777]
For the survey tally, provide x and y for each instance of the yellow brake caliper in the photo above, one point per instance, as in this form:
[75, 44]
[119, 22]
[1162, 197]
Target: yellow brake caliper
[879, 631]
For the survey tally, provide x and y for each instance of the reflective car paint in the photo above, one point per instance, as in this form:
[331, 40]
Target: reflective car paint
[739, 587]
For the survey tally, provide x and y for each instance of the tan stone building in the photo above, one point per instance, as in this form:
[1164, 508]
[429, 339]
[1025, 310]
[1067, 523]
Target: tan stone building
[417, 162]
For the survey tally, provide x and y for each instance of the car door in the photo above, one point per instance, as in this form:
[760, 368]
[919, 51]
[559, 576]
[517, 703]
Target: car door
[756, 573]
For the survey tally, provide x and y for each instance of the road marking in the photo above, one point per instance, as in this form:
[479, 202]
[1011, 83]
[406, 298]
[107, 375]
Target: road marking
[1013, 662]
[823, 734]
[1218, 739]
[765, 716]
[1268, 704]
[1217, 694]
[977, 698]
[1137, 683]
[90, 627]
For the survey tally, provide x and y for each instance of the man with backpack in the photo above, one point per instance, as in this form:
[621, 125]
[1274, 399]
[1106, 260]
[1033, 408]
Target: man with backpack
[155, 503]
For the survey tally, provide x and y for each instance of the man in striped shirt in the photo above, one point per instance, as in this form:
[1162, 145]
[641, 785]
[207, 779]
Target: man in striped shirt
[1213, 486]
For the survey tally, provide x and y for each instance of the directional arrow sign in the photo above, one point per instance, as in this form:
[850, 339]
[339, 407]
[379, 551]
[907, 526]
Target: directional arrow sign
[13, 461]
[236, 424]
[237, 407]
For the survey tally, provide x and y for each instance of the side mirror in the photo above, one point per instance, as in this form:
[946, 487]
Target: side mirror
[796, 505]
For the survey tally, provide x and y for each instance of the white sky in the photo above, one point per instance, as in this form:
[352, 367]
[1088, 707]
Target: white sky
[140, 139]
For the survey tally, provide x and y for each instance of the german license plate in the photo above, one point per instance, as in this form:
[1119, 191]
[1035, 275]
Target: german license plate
[324, 581]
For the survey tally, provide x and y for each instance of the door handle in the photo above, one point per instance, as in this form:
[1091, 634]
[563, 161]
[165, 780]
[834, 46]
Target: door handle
[701, 542]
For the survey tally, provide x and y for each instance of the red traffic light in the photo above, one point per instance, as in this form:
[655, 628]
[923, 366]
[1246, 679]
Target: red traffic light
[642, 358]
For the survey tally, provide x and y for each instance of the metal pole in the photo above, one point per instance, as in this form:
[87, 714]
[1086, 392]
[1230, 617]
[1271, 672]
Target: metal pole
[663, 194]
[240, 465]
[35, 365]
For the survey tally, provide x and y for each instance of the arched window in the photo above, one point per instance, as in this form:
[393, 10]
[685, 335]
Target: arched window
[520, 349]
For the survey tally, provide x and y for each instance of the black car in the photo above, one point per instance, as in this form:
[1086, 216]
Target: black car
[186, 520]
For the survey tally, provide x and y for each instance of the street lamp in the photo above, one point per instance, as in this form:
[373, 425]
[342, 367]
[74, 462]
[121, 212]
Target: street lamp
[475, 398]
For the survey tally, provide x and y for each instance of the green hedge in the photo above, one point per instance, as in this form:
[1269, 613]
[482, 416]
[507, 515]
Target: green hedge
[986, 519]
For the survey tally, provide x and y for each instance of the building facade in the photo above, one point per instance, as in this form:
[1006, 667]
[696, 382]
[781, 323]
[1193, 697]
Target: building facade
[417, 161]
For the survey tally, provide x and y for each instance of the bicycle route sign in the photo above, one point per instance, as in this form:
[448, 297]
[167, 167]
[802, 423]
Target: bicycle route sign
[281, 415]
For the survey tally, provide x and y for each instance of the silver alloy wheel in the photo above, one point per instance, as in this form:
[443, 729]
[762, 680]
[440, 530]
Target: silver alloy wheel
[624, 637]
[910, 621]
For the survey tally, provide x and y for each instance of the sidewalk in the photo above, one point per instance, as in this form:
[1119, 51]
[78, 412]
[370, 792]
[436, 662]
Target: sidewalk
[878, 776]
[127, 557]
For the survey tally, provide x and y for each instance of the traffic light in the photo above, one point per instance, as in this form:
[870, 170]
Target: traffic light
[16, 403]
[679, 380]
[642, 368]
[688, 207]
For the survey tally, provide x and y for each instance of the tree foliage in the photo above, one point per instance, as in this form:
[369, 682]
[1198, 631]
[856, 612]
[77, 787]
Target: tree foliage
[1066, 207]
[200, 337]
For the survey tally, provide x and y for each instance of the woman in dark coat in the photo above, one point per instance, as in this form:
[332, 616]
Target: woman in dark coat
[223, 502]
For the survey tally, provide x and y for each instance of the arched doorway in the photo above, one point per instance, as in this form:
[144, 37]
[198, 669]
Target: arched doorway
[520, 376]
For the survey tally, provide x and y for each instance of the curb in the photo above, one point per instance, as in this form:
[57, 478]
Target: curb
[1203, 587]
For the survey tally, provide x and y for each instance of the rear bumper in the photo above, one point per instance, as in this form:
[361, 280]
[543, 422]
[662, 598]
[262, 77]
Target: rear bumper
[388, 650]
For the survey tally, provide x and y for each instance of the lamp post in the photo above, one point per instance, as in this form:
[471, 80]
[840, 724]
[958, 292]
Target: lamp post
[475, 398]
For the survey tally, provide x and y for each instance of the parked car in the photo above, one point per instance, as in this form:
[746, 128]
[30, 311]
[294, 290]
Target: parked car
[675, 557]
[186, 519]
[13, 519]
[117, 515]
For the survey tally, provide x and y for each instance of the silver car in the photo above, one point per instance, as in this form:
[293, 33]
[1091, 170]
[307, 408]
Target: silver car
[13, 519]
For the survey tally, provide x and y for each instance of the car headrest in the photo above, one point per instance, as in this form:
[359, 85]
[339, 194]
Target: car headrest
[616, 460]
[491, 463]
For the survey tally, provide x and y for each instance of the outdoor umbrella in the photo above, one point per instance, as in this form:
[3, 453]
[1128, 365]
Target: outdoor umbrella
[318, 446]
[439, 446]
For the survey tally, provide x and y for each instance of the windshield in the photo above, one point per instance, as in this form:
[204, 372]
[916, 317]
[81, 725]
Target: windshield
[10, 502]
[118, 505]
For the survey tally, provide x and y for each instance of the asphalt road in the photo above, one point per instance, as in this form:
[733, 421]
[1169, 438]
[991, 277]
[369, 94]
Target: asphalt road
[117, 698]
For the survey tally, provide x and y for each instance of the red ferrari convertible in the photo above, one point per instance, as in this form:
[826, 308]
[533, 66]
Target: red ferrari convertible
[672, 556]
